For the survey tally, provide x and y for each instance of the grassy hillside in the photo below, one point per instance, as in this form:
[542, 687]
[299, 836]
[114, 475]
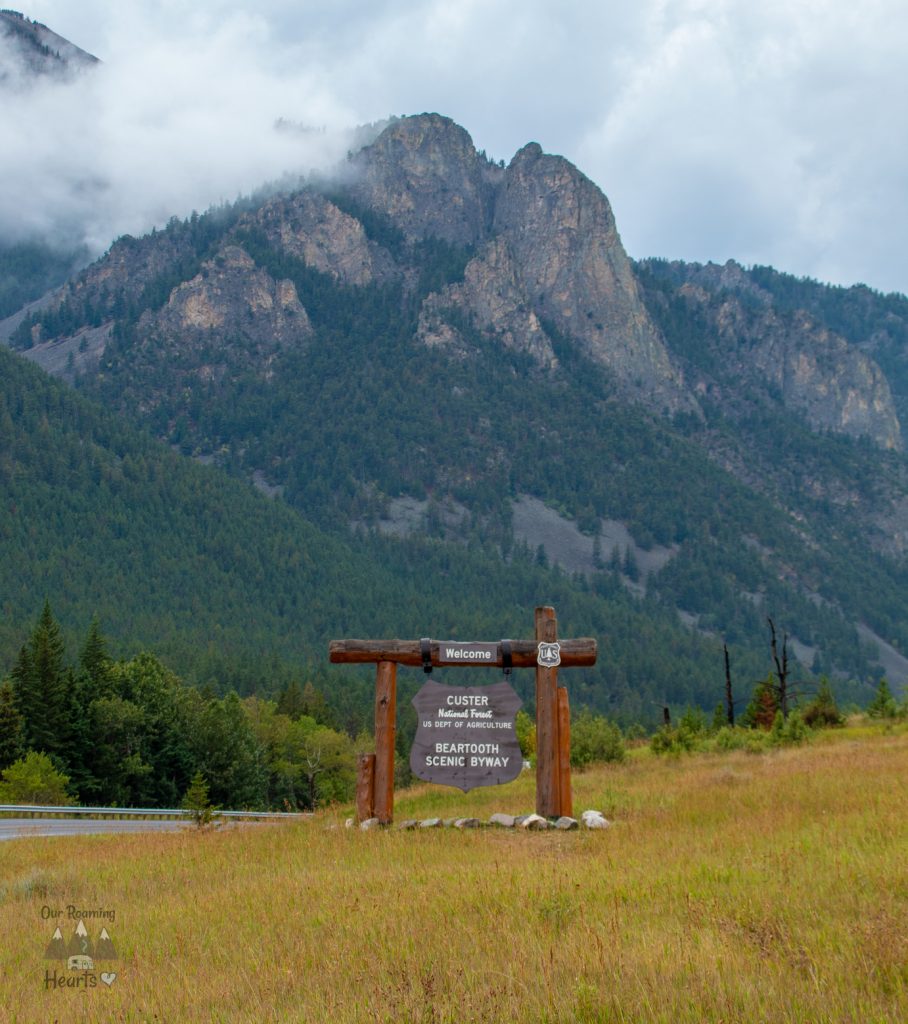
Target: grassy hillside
[731, 888]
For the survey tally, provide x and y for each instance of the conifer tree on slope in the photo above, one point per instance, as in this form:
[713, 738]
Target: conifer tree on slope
[40, 685]
[11, 728]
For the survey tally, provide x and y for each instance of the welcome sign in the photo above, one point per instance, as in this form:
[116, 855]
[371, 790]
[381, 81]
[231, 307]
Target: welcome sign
[466, 735]
[459, 652]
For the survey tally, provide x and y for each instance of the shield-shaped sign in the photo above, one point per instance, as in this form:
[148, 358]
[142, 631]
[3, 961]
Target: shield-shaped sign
[466, 736]
[549, 655]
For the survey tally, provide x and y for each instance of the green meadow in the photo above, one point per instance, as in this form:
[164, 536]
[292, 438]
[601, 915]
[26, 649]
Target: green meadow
[736, 887]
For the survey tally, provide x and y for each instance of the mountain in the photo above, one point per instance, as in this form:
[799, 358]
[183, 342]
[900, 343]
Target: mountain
[434, 356]
[30, 50]
[236, 589]
[30, 53]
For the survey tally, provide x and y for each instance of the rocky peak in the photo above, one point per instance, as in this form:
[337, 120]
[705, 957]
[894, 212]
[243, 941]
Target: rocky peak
[561, 232]
[309, 227]
[425, 174]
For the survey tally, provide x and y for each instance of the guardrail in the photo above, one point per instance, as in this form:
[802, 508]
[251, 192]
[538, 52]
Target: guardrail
[39, 811]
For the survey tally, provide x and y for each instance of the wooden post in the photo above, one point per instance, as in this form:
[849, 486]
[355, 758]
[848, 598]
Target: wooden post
[365, 787]
[548, 790]
[566, 799]
[385, 728]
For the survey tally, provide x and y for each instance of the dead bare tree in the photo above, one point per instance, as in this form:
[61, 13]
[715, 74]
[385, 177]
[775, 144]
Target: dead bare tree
[312, 770]
[729, 699]
[781, 668]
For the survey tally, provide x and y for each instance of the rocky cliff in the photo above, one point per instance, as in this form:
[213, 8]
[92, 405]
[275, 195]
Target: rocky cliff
[547, 252]
[309, 227]
[746, 346]
[544, 267]
[547, 263]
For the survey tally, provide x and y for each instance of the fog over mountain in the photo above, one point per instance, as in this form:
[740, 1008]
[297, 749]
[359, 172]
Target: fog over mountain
[766, 133]
[157, 129]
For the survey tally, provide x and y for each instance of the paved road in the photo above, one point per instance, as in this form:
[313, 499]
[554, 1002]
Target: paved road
[18, 828]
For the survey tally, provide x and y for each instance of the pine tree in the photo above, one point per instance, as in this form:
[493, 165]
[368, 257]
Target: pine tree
[11, 728]
[883, 704]
[291, 701]
[197, 803]
[40, 686]
[761, 712]
[823, 710]
[94, 659]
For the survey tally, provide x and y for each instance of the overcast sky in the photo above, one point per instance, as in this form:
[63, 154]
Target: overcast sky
[768, 132]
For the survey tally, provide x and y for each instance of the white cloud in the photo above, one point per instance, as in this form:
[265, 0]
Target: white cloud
[766, 132]
[170, 122]
[769, 136]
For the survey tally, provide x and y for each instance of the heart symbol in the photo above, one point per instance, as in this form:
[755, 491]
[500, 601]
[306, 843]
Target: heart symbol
[108, 977]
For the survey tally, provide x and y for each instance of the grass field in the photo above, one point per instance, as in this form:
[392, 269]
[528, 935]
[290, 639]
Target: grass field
[737, 887]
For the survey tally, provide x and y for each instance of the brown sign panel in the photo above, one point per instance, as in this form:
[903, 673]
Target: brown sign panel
[459, 652]
[466, 735]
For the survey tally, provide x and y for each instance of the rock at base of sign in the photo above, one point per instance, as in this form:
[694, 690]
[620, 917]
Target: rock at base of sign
[565, 823]
[534, 821]
[467, 823]
[350, 822]
[431, 823]
[369, 823]
[408, 824]
[504, 820]
[595, 819]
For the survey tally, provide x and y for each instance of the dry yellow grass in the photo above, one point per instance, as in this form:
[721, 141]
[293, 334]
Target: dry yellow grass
[751, 888]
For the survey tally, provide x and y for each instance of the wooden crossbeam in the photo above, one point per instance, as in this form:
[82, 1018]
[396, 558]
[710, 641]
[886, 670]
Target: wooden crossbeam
[578, 653]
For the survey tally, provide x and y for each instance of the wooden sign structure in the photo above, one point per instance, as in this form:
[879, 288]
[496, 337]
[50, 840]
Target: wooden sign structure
[375, 772]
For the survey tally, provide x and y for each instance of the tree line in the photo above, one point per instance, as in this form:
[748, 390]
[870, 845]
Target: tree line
[129, 733]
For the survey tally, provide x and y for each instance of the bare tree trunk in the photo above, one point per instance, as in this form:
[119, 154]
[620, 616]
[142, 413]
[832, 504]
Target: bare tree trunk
[729, 700]
[781, 668]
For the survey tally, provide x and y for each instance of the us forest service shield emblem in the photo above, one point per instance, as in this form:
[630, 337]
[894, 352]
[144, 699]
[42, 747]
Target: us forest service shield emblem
[466, 736]
[549, 655]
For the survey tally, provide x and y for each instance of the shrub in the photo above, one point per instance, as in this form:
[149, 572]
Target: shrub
[525, 728]
[730, 738]
[33, 779]
[720, 719]
[823, 711]
[883, 704]
[794, 729]
[673, 741]
[693, 721]
[595, 739]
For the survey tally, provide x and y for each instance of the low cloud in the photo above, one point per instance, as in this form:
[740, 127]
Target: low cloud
[768, 132]
[166, 124]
